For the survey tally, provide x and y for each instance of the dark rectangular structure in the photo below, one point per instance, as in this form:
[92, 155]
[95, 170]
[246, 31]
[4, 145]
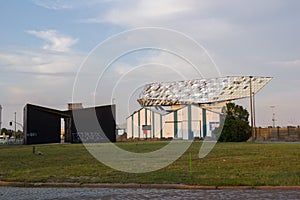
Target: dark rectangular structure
[43, 125]
[92, 125]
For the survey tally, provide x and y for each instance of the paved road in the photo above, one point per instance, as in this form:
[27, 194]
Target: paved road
[15, 193]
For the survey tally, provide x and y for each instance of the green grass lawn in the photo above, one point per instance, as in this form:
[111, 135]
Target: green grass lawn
[227, 164]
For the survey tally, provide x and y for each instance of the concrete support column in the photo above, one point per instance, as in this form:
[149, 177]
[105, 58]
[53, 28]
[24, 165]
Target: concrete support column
[190, 133]
[153, 124]
[132, 126]
[161, 127]
[139, 124]
[175, 124]
[204, 127]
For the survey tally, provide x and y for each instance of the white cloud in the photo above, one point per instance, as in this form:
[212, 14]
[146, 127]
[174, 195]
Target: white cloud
[37, 76]
[67, 4]
[53, 4]
[39, 62]
[163, 13]
[142, 12]
[55, 40]
[287, 63]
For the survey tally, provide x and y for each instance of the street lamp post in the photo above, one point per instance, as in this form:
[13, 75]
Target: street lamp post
[251, 107]
[273, 116]
[15, 124]
[254, 120]
[0, 118]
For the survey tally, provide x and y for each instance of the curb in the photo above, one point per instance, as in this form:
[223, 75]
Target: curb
[144, 186]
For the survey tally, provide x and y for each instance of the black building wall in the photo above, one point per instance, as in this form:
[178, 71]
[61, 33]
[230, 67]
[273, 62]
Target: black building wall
[41, 125]
[93, 124]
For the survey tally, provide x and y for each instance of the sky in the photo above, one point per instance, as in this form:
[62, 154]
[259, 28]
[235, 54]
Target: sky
[45, 44]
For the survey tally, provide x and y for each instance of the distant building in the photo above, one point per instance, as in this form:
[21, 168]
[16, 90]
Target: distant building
[74, 106]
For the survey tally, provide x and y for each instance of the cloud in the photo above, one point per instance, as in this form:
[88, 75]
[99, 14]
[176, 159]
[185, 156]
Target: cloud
[36, 62]
[139, 13]
[287, 63]
[244, 37]
[209, 20]
[37, 76]
[147, 13]
[55, 40]
[53, 4]
[66, 4]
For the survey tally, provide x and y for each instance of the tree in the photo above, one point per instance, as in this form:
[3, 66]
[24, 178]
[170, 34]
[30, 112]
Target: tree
[4, 130]
[19, 134]
[7, 132]
[236, 126]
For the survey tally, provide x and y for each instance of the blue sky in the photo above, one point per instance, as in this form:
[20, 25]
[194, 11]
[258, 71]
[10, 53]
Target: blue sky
[43, 43]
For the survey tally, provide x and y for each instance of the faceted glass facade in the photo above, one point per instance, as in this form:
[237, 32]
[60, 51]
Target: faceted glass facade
[200, 91]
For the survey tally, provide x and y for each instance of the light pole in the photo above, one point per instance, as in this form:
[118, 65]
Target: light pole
[0, 118]
[15, 124]
[254, 120]
[251, 107]
[273, 116]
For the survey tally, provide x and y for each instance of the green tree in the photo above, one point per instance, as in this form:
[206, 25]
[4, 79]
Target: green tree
[19, 134]
[3, 130]
[236, 126]
[7, 131]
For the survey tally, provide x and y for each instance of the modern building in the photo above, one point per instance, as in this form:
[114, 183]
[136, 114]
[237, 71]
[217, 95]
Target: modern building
[180, 122]
[188, 109]
[43, 125]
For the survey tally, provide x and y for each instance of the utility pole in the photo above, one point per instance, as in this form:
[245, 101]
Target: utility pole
[15, 124]
[0, 118]
[251, 107]
[254, 120]
[273, 116]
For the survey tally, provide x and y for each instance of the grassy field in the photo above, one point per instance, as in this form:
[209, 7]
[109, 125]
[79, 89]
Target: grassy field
[228, 164]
